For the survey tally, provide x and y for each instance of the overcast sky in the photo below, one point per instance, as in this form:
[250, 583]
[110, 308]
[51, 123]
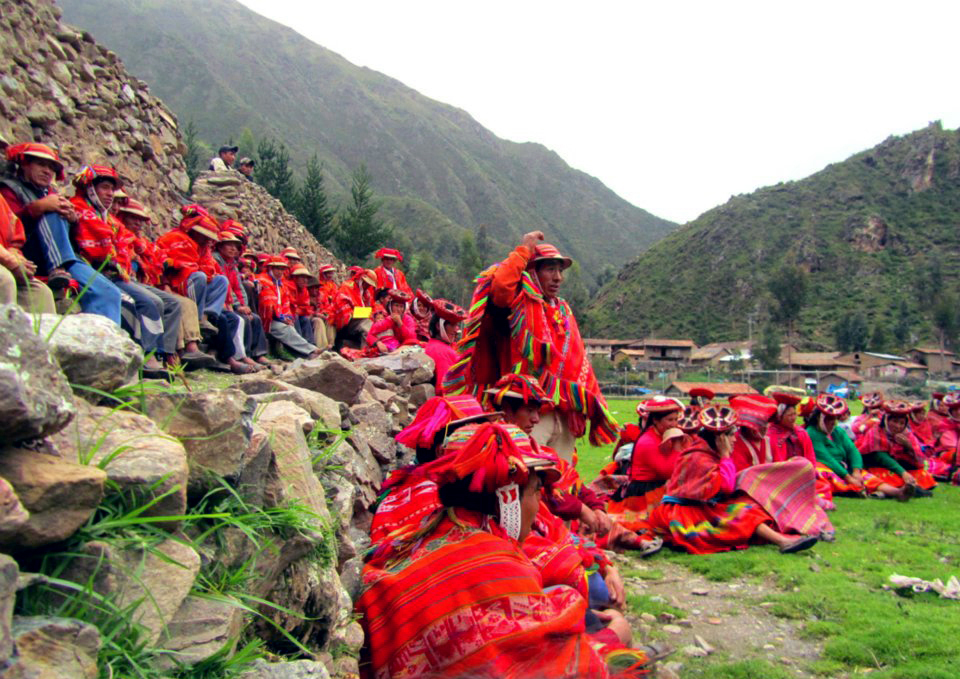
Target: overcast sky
[676, 106]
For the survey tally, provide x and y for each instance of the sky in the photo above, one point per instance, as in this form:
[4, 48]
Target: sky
[676, 106]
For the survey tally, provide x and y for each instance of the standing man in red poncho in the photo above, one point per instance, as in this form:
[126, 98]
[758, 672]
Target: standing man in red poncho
[518, 323]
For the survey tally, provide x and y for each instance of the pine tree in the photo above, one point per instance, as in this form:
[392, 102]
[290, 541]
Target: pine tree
[767, 350]
[274, 173]
[879, 341]
[192, 157]
[788, 285]
[312, 207]
[247, 144]
[360, 231]
[901, 329]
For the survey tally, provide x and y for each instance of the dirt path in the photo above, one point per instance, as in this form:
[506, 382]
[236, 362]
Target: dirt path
[732, 617]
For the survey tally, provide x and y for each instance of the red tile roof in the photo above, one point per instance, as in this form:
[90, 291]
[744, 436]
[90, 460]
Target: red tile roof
[718, 388]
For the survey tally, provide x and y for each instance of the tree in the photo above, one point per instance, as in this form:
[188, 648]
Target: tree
[469, 264]
[247, 144]
[945, 319]
[879, 340]
[273, 171]
[425, 270]
[360, 231]
[788, 285]
[192, 158]
[484, 246]
[767, 350]
[901, 328]
[312, 208]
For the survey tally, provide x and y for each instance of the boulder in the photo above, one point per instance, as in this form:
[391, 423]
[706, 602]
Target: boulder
[291, 477]
[320, 407]
[92, 351]
[60, 496]
[298, 669]
[144, 462]
[213, 426]
[422, 393]
[9, 574]
[252, 482]
[372, 415]
[335, 378]
[35, 397]
[411, 362]
[359, 467]
[201, 628]
[13, 515]
[54, 648]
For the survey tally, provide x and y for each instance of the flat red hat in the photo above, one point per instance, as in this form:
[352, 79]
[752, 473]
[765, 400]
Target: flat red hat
[952, 400]
[754, 410]
[18, 152]
[546, 251]
[388, 252]
[786, 398]
[448, 311]
[897, 408]
[702, 392]
[830, 404]
[398, 295]
[662, 405]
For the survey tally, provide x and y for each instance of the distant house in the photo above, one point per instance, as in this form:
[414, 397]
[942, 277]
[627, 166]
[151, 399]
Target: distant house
[896, 370]
[816, 361]
[840, 378]
[709, 355]
[608, 347]
[938, 362]
[721, 389]
[670, 350]
[634, 356]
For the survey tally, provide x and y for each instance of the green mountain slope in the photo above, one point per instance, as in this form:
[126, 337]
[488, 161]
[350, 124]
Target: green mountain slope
[226, 68]
[871, 231]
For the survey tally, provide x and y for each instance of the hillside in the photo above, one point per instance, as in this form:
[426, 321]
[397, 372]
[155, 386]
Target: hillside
[226, 68]
[871, 231]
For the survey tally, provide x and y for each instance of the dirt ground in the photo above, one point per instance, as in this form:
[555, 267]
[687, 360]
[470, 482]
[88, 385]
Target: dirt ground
[732, 617]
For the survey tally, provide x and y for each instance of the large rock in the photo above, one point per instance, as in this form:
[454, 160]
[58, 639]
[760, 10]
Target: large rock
[200, 629]
[59, 495]
[266, 390]
[159, 577]
[291, 477]
[144, 462]
[214, 427]
[13, 515]
[9, 574]
[335, 378]
[410, 362]
[54, 648]
[298, 669]
[92, 350]
[35, 398]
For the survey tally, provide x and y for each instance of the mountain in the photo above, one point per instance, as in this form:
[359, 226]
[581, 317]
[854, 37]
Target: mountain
[877, 233]
[220, 65]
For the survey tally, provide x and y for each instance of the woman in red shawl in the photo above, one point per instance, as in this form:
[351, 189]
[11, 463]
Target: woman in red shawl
[700, 512]
[444, 324]
[888, 453]
[457, 596]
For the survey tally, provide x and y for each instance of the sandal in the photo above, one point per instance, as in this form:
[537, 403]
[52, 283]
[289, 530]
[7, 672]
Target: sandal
[800, 544]
[908, 492]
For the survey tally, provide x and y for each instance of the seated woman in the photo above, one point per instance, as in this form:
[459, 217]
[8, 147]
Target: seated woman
[701, 512]
[888, 451]
[838, 461]
[872, 412]
[397, 328]
[422, 308]
[789, 441]
[783, 484]
[457, 596]
[443, 327]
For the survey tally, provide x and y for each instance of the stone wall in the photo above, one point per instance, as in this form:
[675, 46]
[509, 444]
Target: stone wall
[61, 88]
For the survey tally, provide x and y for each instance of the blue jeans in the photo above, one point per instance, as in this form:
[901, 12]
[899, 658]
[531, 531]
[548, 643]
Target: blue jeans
[209, 296]
[48, 246]
[158, 318]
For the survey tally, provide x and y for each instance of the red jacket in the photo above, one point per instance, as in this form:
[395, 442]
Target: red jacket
[384, 281]
[351, 296]
[182, 256]
[99, 238]
[274, 300]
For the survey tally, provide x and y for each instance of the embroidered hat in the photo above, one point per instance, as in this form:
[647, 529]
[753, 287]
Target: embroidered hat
[384, 253]
[448, 311]
[689, 422]
[718, 418]
[831, 405]
[423, 297]
[952, 399]
[88, 174]
[872, 400]
[196, 218]
[523, 387]
[228, 237]
[661, 405]
[545, 251]
[754, 411]
[135, 208]
[18, 152]
[398, 295]
[440, 415]
[897, 408]
[918, 407]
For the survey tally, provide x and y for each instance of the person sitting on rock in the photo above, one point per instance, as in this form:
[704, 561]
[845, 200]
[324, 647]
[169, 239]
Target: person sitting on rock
[224, 159]
[276, 312]
[17, 282]
[422, 309]
[445, 321]
[323, 298]
[102, 241]
[397, 329]
[254, 339]
[46, 217]
[353, 307]
[148, 269]
[300, 303]
[389, 277]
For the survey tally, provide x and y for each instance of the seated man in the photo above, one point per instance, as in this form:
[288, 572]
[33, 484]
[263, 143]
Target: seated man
[300, 303]
[353, 308]
[254, 338]
[101, 240]
[17, 283]
[276, 312]
[46, 217]
[324, 296]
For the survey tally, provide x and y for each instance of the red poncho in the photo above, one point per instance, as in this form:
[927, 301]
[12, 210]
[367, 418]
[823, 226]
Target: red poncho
[98, 239]
[182, 257]
[274, 300]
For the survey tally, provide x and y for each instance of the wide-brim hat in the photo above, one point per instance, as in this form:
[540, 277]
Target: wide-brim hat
[326, 268]
[300, 271]
[277, 260]
[204, 225]
[290, 253]
[526, 388]
[897, 408]
[661, 405]
[754, 411]
[393, 253]
[135, 208]
[545, 251]
[718, 419]
[18, 152]
[670, 435]
[831, 405]
[448, 311]
[228, 237]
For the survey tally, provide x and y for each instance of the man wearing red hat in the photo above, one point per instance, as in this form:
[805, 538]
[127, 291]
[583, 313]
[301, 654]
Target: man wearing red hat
[518, 323]
[353, 307]
[389, 277]
[276, 311]
[324, 300]
[255, 346]
[46, 217]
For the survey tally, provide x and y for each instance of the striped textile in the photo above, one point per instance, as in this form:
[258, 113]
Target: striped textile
[787, 490]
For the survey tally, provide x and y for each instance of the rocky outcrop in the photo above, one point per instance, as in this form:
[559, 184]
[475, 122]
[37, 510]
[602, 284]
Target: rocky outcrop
[229, 195]
[92, 351]
[54, 648]
[60, 87]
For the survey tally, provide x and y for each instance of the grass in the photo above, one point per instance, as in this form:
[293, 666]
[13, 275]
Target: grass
[835, 592]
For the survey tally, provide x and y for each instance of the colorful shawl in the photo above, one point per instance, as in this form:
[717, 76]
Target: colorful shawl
[697, 474]
[544, 341]
[787, 490]
[875, 440]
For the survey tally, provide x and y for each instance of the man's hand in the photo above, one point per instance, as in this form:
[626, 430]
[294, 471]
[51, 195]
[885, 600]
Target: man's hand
[854, 480]
[531, 239]
[588, 519]
[382, 347]
[604, 522]
[244, 310]
[618, 595]
[49, 203]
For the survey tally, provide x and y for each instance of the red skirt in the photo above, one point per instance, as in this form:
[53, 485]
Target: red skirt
[707, 529]
[923, 477]
[840, 486]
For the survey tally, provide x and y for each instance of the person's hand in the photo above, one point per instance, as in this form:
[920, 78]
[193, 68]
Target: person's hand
[618, 594]
[396, 318]
[531, 239]
[903, 440]
[66, 210]
[588, 519]
[382, 347]
[25, 269]
[604, 522]
[245, 310]
[908, 478]
[41, 206]
[725, 445]
[854, 480]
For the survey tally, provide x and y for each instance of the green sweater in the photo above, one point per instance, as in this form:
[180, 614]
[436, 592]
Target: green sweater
[836, 451]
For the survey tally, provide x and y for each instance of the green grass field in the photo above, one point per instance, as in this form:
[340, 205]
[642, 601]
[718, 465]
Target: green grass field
[863, 628]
